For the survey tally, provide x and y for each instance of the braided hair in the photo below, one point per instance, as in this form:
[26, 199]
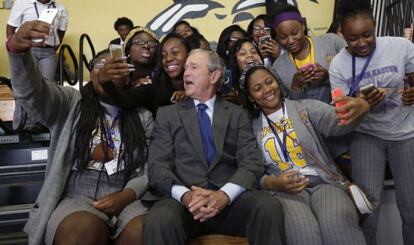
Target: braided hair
[133, 150]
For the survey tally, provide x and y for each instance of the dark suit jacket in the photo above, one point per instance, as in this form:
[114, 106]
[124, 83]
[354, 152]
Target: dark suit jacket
[176, 155]
[116, 41]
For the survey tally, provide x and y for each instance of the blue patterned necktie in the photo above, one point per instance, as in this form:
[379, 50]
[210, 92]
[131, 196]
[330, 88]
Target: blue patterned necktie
[206, 131]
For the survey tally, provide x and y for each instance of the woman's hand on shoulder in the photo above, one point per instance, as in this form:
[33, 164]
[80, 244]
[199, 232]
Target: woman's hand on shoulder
[291, 182]
[114, 203]
[178, 96]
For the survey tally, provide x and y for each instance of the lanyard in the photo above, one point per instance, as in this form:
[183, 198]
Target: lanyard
[110, 131]
[355, 82]
[281, 144]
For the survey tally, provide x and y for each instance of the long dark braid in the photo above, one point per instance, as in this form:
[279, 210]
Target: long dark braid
[133, 150]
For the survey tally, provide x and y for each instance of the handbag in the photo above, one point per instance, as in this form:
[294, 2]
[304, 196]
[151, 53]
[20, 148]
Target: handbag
[358, 196]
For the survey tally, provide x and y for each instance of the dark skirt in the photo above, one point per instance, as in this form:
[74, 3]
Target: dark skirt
[81, 191]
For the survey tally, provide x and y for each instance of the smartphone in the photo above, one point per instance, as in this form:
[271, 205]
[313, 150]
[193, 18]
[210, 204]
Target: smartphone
[308, 67]
[116, 50]
[297, 176]
[367, 89]
[264, 39]
[339, 92]
[48, 16]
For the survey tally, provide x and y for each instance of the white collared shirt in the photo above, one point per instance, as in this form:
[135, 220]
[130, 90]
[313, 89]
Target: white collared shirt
[24, 10]
[210, 107]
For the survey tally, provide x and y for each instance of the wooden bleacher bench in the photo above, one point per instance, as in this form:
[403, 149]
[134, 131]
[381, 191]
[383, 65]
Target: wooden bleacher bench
[219, 240]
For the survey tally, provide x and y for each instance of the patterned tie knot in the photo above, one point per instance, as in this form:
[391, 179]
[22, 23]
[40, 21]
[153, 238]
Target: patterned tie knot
[202, 106]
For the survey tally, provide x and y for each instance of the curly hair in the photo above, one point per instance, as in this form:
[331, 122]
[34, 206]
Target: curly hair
[123, 21]
[133, 150]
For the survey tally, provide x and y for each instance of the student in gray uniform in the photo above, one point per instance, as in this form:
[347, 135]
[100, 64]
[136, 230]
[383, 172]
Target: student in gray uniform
[387, 133]
[317, 209]
[96, 163]
[303, 68]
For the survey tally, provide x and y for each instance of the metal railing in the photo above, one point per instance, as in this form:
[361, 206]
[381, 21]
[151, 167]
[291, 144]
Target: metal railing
[64, 74]
[82, 58]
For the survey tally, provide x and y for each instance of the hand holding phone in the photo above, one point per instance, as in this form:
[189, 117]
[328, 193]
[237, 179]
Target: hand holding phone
[408, 82]
[336, 93]
[308, 67]
[264, 39]
[365, 90]
[47, 16]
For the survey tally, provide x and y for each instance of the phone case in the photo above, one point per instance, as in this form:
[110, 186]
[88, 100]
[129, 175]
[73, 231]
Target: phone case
[367, 87]
[308, 67]
[48, 16]
[263, 40]
[116, 50]
[338, 92]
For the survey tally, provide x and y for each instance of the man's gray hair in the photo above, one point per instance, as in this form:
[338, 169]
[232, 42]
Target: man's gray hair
[214, 62]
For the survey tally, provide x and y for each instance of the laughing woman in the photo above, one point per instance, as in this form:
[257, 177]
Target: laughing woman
[172, 55]
[387, 133]
[317, 210]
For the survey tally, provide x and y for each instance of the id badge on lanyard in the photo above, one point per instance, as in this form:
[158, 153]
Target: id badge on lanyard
[112, 166]
[355, 80]
[282, 144]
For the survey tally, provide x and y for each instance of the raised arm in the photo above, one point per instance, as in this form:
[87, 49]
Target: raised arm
[44, 100]
[326, 118]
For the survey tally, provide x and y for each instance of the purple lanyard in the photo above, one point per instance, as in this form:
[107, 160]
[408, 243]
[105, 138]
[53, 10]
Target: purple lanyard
[110, 131]
[279, 141]
[355, 82]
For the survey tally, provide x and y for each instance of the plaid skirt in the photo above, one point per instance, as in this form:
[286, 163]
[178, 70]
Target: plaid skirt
[81, 190]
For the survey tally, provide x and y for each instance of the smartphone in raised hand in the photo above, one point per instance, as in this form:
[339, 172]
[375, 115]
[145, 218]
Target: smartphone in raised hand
[116, 50]
[47, 16]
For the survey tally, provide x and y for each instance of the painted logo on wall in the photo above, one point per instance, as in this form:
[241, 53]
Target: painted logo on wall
[242, 10]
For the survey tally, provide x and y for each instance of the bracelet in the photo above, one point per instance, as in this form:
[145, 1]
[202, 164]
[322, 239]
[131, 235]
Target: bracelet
[9, 45]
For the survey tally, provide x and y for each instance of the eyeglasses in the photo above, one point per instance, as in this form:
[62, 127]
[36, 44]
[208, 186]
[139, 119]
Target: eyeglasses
[150, 43]
[258, 29]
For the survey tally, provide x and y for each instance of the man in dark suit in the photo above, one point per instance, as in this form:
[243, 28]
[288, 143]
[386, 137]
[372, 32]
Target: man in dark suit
[122, 25]
[205, 163]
